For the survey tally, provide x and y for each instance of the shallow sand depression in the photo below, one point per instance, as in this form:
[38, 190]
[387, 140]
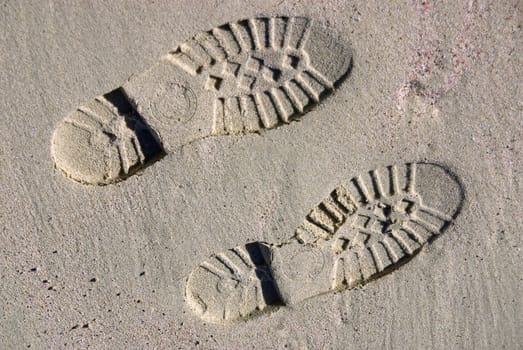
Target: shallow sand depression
[278, 174]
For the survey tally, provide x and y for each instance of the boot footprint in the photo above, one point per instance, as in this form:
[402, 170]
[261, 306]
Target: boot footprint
[241, 77]
[364, 229]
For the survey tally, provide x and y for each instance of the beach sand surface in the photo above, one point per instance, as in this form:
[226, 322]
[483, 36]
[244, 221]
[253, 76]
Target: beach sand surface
[105, 267]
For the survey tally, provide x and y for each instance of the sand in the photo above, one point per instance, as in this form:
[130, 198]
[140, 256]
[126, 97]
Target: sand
[87, 266]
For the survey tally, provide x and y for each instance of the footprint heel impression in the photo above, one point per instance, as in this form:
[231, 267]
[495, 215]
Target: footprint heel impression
[365, 228]
[237, 78]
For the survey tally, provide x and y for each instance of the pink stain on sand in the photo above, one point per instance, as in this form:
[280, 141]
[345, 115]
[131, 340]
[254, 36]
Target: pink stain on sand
[425, 60]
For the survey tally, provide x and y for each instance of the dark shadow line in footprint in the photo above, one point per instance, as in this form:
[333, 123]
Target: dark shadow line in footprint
[260, 256]
[149, 142]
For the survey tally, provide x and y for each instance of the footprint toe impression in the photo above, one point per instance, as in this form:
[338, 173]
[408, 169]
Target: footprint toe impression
[241, 77]
[365, 228]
